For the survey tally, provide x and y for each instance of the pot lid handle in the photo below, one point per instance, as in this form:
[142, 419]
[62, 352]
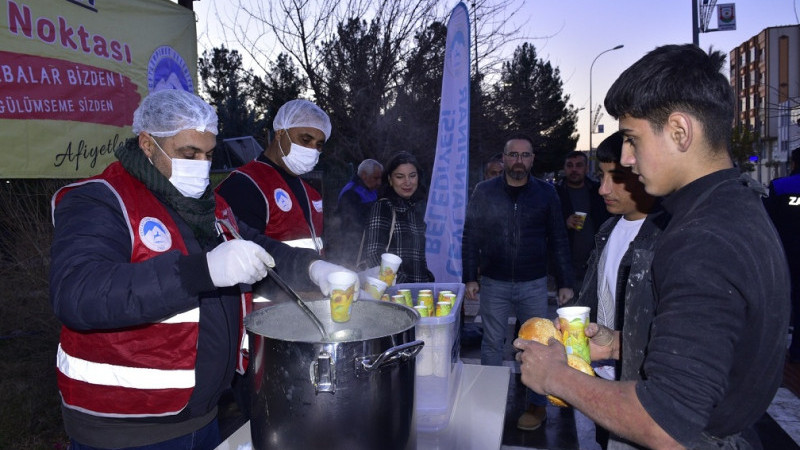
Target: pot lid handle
[404, 351]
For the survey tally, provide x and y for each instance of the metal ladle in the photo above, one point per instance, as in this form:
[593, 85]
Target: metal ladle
[224, 223]
[282, 284]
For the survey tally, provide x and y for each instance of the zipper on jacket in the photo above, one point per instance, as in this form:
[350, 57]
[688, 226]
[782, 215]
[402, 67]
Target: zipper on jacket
[515, 235]
[311, 220]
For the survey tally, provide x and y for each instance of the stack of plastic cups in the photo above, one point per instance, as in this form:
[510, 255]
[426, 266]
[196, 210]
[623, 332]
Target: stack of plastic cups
[425, 297]
[407, 294]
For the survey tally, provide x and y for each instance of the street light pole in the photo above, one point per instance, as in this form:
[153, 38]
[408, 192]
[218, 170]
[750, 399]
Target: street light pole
[591, 107]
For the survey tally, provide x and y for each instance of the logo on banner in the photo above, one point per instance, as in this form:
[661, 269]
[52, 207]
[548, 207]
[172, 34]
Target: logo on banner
[154, 235]
[455, 54]
[88, 4]
[283, 200]
[167, 70]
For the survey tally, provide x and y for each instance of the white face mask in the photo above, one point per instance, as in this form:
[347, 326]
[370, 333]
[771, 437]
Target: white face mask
[301, 160]
[189, 176]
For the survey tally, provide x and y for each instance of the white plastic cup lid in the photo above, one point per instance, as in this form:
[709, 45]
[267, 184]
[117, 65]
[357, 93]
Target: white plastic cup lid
[340, 279]
[571, 312]
[376, 282]
[391, 259]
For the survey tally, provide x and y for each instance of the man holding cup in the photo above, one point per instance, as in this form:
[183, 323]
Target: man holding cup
[583, 211]
[715, 344]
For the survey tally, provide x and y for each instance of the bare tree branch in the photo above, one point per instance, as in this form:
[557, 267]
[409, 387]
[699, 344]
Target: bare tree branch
[299, 27]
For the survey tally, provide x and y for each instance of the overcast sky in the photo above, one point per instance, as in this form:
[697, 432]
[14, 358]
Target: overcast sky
[571, 33]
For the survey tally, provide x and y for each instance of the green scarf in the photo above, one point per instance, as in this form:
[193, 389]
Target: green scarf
[197, 212]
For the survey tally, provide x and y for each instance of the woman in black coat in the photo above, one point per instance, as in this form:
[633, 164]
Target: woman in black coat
[396, 221]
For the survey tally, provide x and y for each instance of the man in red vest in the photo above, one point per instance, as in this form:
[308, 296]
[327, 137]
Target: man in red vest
[268, 193]
[147, 278]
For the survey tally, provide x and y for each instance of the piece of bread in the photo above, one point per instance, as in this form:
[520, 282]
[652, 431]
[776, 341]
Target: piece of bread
[541, 330]
[576, 362]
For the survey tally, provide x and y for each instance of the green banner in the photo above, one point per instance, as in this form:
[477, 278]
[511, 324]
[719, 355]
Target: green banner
[73, 71]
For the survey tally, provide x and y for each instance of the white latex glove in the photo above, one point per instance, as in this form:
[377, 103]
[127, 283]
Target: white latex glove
[238, 261]
[318, 272]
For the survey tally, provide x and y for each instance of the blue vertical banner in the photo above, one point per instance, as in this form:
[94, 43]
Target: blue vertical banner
[447, 200]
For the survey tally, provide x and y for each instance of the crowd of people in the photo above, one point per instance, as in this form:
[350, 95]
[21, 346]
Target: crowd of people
[682, 264]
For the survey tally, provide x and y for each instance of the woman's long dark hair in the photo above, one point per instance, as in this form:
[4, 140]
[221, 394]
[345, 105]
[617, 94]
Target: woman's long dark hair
[397, 160]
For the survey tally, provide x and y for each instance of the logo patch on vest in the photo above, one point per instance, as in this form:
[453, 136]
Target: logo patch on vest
[317, 205]
[154, 234]
[283, 200]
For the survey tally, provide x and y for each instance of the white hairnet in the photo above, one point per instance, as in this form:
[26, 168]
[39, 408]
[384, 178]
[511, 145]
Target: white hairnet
[167, 112]
[302, 113]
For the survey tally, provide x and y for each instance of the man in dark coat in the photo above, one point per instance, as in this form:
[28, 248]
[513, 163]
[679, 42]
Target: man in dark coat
[578, 193]
[352, 211]
[513, 228]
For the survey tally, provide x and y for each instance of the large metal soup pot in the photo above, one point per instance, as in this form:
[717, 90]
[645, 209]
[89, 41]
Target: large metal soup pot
[354, 391]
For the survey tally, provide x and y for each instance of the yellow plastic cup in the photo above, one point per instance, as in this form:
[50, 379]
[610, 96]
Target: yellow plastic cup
[573, 320]
[422, 310]
[581, 220]
[342, 293]
[425, 297]
[450, 298]
[407, 294]
[388, 270]
[440, 297]
[400, 299]
[374, 287]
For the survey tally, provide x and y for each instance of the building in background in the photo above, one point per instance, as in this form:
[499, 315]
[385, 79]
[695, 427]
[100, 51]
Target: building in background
[765, 75]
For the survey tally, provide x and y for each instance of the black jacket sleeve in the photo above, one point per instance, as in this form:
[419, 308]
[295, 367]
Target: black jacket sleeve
[558, 243]
[469, 241]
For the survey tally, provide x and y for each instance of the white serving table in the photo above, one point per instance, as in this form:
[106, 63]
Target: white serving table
[476, 423]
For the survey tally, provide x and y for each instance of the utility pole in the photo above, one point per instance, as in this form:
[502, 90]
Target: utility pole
[475, 36]
[591, 119]
[695, 27]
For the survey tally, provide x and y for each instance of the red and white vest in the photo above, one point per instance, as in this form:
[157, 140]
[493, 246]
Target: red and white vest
[285, 219]
[146, 370]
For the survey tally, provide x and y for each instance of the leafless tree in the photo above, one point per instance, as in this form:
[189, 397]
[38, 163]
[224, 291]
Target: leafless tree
[299, 27]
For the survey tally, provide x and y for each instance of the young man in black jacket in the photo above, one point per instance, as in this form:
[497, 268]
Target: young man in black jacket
[716, 344]
[620, 297]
